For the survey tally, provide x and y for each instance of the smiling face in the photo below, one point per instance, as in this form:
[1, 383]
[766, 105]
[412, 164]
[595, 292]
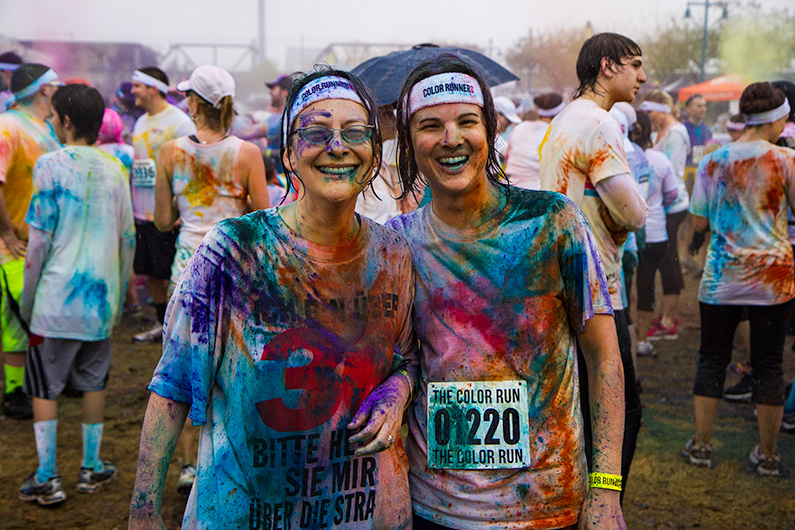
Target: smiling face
[451, 147]
[335, 171]
[143, 94]
[697, 109]
[625, 79]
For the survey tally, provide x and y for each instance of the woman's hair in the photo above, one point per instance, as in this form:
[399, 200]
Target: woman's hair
[112, 128]
[26, 74]
[613, 46]
[300, 80]
[547, 101]
[789, 92]
[407, 163]
[761, 97]
[216, 118]
[641, 134]
[661, 96]
[85, 108]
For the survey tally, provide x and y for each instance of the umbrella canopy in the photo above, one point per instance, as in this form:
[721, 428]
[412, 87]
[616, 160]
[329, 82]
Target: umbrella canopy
[723, 88]
[385, 75]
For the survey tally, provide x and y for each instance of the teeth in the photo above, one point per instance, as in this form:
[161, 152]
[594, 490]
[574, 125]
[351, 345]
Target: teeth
[453, 160]
[337, 170]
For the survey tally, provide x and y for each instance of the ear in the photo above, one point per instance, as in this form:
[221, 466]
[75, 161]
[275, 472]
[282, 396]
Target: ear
[288, 159]
[66, 122]
[606, 67]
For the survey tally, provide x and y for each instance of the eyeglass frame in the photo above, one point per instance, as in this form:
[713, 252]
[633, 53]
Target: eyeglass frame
[370, 128]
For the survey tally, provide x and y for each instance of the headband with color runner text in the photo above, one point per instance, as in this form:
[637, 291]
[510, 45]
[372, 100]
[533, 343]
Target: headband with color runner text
[449, 87]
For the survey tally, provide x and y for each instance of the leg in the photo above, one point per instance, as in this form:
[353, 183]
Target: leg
[706, 410]
[671, 270]
[94, 406]
[633, 410]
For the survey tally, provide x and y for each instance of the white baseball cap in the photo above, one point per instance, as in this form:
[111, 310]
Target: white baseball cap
[210, 83]
[506, 107]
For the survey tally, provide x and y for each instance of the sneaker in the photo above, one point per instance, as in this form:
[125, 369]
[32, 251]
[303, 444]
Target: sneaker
[741, 391]
[766, 465]
[788, 423]
[698, 453]
[152, 335]
[17, 405]
[134, 310]
[89, 481]
[46, 494]
[659, 331]
[186, 477]
[646, 349]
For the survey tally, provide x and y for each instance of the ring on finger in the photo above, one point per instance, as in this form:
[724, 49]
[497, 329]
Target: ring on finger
[391, 439]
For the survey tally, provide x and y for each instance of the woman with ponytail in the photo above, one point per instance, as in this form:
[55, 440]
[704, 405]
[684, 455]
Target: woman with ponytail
[202, 179]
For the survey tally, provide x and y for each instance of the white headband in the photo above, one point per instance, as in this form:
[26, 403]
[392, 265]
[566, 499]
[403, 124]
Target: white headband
[769, 116]
[148, 80]
[652, 106]
[8, 67]
[734, 126]
[551, 113]
[329, 87]
[47, 77]
[451, 87]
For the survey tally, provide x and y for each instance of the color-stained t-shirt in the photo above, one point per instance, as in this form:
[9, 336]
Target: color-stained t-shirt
[584, 146]
[23, 139]
[82, 198]
[207, 187]
[743, 189]
[151, 131]
[522, 161]
[663, 181]
[674, 142]
[275, 342]
[503, 302]
[125, 153]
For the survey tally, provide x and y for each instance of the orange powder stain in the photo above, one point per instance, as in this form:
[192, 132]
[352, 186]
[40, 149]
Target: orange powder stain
[204, 183]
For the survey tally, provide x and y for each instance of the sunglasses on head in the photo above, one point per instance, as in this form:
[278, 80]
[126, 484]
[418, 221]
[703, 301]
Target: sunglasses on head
[317, 134]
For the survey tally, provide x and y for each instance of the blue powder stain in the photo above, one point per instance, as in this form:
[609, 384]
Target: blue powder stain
[45, 200]
[92, 293]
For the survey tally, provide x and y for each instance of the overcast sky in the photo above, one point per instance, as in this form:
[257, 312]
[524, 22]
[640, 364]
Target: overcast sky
[316, 23]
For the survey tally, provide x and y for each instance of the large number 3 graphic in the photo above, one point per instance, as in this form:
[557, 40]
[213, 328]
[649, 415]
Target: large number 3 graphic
[320, 379]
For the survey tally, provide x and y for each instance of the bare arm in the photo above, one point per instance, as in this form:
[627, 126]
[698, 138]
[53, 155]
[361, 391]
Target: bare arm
[162, 425]
[166, 212]
[38, 248]
[606, 391]
[252, 176]
[7, 232]
[624, 203]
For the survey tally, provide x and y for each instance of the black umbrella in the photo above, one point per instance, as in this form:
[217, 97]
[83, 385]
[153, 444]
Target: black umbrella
[385, 75]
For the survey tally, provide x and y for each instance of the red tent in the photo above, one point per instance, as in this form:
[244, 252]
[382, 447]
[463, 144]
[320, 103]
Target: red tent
[723, 88]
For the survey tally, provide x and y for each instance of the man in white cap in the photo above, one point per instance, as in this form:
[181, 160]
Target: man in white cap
[154, 250]
[24, 136]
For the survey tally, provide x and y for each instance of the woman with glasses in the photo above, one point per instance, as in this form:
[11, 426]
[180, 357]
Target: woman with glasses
[289, 340]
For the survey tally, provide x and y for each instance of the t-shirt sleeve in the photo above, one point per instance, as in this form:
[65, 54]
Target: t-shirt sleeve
[606, 156]
[584, 282]
[699, 203]
[194, 329]
[8, 149]
[43, 209]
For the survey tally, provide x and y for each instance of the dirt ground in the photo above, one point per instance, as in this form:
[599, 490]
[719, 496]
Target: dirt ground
[663, 492]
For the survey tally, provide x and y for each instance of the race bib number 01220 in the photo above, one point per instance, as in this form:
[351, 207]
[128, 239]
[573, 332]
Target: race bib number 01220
[478, 425]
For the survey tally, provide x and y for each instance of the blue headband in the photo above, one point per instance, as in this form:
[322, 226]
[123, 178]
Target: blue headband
[47, 77]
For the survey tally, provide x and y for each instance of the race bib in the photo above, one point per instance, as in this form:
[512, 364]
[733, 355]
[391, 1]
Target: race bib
[698, 154]
[478, 425]
[143, 173]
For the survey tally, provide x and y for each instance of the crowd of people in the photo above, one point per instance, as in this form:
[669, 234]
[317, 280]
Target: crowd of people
[344, 269]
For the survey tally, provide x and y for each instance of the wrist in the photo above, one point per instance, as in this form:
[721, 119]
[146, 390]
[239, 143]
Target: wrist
[605, 481]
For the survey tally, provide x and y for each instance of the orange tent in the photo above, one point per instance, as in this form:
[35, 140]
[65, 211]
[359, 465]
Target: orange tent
[723, 88]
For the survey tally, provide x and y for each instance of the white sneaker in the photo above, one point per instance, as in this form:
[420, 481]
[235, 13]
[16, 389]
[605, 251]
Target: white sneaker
[187, 476]
[645, 349]
[152, 335]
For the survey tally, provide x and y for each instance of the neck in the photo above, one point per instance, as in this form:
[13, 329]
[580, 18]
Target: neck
[70, 141]
[35, 108]
[207, 134]
[600, 96]
[157, 105]
[667, 121]
[469, 209]
[764, 132]
[323, 223]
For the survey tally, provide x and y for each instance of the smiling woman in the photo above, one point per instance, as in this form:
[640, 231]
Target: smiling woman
[289, 336]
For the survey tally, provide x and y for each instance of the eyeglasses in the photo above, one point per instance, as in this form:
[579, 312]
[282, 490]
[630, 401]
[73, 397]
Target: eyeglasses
[317, 134]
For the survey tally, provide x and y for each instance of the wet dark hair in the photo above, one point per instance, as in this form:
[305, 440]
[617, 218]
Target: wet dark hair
[613, 46]
[299, 81]
[692, 98]
[641, 134]
[789, 92]
[85, 108]
[737, 118]
[760, 97]
[26, 74]
[407, 163]
[157, 73]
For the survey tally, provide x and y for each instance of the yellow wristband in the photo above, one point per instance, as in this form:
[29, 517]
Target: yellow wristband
[605, 481]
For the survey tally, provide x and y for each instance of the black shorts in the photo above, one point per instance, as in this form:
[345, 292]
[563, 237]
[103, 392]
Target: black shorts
[154, 250]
